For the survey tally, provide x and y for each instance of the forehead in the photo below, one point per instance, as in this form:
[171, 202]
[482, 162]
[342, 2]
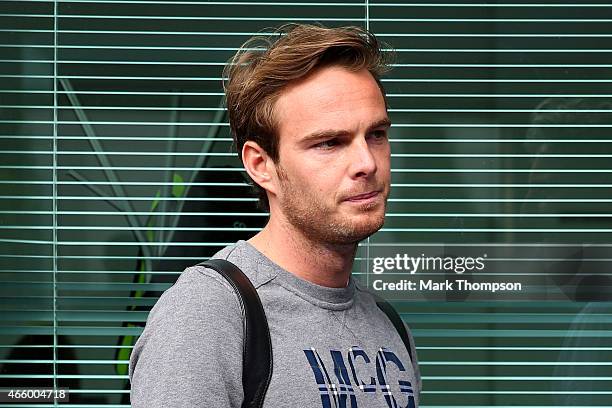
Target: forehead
[329, 98]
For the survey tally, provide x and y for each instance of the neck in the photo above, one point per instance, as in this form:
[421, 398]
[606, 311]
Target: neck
[317, 262]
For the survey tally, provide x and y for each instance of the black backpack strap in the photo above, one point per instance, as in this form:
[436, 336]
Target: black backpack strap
[257, 353]
[397, 322]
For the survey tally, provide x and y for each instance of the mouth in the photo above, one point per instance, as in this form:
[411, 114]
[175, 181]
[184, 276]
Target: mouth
[364, 196]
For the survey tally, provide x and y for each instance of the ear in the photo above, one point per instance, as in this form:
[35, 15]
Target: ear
[259, 165]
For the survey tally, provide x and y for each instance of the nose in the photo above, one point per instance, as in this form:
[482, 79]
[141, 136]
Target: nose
[362, 161]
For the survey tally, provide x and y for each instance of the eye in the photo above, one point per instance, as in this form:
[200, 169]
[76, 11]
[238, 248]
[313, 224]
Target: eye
[327, 144]
[378, 134]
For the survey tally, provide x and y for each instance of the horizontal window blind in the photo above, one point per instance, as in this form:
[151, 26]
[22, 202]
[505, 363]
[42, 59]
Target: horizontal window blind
[117, 171]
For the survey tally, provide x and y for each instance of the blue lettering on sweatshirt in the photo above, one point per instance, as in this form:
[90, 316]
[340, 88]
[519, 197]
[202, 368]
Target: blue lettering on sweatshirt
[342, 392]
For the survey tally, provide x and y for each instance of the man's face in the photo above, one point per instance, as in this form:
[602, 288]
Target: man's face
[334, 156]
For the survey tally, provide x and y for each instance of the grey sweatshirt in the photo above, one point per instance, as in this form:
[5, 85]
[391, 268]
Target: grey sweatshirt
[332, 347]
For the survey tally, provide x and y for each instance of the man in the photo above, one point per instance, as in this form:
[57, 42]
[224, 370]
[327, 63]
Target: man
[309, 117]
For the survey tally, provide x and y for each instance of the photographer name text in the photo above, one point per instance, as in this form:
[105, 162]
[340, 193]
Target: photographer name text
[446, 286]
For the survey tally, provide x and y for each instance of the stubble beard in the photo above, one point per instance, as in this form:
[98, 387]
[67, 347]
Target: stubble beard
[306, 213]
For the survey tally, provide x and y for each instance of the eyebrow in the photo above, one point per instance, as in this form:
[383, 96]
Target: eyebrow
[331, 133]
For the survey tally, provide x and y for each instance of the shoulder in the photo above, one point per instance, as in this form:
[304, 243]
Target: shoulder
[198, 294]
[200, 290]
[199, 310]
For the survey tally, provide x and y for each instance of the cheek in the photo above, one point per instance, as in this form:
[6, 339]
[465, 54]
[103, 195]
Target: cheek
[331, 177]
[321, 172]
[384, 161]
[319, 187]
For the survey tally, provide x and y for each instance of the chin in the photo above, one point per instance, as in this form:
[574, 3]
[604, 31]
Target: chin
[374, 217]
[368, 227]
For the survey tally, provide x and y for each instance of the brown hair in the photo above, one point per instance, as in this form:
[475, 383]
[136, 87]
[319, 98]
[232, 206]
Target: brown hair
[264, 65]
